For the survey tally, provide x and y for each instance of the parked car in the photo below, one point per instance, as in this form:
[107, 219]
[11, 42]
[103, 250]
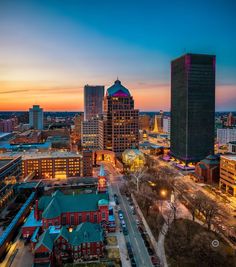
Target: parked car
[156, 261]
[133, 263]
[120, 214]
[125, 231]
[150, 251]
[123, 223]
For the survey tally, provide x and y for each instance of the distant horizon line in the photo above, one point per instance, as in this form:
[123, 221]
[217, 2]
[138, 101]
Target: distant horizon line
[83, 111]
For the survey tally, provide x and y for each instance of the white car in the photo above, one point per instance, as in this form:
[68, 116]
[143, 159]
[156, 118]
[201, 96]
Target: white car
[123, 223]
[121, 216]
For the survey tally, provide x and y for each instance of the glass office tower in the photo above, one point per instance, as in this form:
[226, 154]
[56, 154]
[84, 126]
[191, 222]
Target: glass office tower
[192, 107]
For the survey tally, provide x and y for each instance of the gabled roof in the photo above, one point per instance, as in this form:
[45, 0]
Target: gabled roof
[63, 233]
[52, 206]
[53, 209]
[86, 233]
[117, 89]
[46, 240]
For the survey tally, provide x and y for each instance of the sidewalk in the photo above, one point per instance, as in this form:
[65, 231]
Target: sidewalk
[160, 251]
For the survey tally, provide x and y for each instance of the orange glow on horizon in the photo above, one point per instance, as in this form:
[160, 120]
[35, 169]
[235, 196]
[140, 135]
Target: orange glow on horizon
[20, 96]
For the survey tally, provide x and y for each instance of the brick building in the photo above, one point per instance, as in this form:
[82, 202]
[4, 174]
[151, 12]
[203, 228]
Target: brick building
[60, 244]
[207, 170]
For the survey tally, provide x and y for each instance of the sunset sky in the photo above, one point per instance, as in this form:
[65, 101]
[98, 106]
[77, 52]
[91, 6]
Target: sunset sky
[49, 49]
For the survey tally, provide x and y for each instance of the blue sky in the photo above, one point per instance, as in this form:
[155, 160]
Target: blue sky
[55, 47]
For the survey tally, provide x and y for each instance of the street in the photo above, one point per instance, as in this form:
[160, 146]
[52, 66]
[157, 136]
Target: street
[141, 255]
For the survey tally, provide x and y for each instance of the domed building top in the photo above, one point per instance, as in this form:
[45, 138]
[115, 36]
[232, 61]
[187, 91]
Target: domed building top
[117, 89]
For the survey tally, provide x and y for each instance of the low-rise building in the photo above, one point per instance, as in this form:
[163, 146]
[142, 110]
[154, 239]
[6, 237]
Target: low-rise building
[59, 165]
[226, 135]
[228, 174]
[232, 147]
[207, 170]
[59, 244]
[10, 168]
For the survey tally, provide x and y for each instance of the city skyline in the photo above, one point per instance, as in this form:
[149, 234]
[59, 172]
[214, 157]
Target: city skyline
[53, 49]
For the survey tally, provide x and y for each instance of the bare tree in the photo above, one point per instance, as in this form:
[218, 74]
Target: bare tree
[210, 210]
[138, 175]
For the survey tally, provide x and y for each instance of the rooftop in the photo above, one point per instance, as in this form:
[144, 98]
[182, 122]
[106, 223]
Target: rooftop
[4, 162]
[117, 89]
[84, 233]
[38, 155]
[31, 221]
[230, 157]
[52, 206]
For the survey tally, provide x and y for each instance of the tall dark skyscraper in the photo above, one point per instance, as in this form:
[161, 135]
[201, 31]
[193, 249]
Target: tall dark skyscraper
[192, 107]
[93, 101]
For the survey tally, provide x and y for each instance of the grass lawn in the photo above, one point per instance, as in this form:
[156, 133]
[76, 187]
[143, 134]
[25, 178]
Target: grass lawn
[187, 243]
[111, 241]
[113, 253]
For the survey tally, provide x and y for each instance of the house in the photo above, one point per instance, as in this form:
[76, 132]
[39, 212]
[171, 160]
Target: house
[58, 244]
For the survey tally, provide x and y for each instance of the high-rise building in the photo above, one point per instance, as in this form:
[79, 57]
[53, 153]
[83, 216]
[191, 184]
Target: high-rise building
[192, 107]
[166, 124]
[36, 117]
[230, 120]
[226, 135]
[93, 101]
[90, 134]
[144, 122]
[119, 128]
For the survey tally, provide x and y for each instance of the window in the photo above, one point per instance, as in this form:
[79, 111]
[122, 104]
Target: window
[95, 218]
[80, 218]
[63, 221]
[87, 217]
[103, 215]
[72, 219]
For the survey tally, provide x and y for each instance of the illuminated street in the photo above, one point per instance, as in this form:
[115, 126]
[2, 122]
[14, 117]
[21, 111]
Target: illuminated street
[140, 252]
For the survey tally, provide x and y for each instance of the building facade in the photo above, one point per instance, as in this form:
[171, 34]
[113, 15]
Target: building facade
[90, 134]
[58, 165]
[10, 168]
[77, 133]
[226, 135]
[207, 170]
[119, 129]
[192, 107]
[228, 174]
[144, 122]
[60, 209]
[58, 245]
[36, 117]
[93, 101]
[7, 126]
[87, 163]
[166, 125]
[232, 147]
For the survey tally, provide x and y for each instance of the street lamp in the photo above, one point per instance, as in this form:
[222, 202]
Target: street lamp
[163, 193]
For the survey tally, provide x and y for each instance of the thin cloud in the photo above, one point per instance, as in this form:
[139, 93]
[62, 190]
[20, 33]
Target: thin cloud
[13, 91]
